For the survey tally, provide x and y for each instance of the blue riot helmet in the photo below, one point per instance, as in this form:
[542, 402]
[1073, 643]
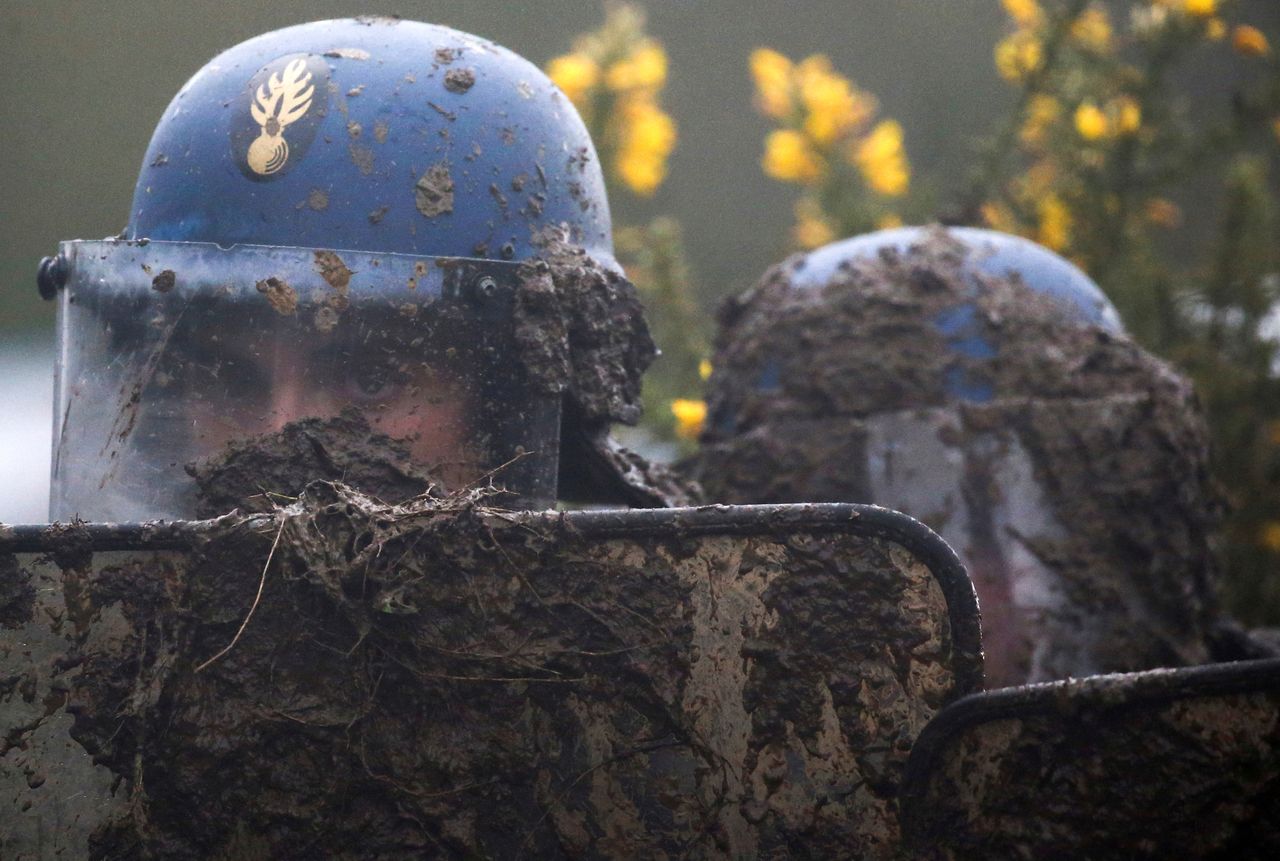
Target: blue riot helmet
[991, 253]
[344, 217]
[984, 385]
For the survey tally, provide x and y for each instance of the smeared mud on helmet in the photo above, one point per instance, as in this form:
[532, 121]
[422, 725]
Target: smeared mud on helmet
[984, 385]
[334, 223]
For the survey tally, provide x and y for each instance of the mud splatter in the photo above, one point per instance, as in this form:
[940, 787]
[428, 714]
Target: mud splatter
[318, 199]
[282, 297]
[445, 678]
[17, 595]
[348, 53]
[459, 80]
[258, 473]
[333, 270]
[497, 195]
[325, 319]
[1109, 767]
[580, 328]
[433, 192]
[362, 156]
[164, 282]
[447, 114]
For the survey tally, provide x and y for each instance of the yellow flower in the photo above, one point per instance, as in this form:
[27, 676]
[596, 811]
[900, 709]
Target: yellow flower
[1091, 122]
[1040, 177]
[690, 417]
[771, 72]
[1124, 115]
[812, 233]
[882, 161]
[1025, 12]
[788, 157]
[1055, 222]
[1042, 112]
[1018, 56]
[576, 74]
[704, 370]
[1200, 8]
[812, 229]
[1215, 30]
[1093, 29]
[832, 105]
[1250, 41]
[1163, 213]
[812, 67]
[888, 222]
[647, 137]
[998, 217]
[1269, 536]
[642, 173]
[645, 67]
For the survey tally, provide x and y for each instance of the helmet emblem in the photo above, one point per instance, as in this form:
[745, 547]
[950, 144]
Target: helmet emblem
[281, 101]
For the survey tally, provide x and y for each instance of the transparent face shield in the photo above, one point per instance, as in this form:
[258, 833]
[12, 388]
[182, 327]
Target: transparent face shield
[170, 352]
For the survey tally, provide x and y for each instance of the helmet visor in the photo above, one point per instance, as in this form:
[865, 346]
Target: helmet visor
[174, 354]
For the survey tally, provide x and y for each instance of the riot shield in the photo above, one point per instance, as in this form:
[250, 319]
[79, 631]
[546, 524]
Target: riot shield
[1161, 764]
[352, 680]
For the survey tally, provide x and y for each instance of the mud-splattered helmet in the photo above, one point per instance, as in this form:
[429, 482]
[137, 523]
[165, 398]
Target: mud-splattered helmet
[343, 214]
[984, 385]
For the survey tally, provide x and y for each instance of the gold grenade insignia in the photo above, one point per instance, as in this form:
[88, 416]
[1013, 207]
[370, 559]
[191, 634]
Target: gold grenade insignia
[283, 100]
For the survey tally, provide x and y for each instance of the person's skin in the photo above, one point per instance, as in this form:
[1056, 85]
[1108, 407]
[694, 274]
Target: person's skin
[246, 385]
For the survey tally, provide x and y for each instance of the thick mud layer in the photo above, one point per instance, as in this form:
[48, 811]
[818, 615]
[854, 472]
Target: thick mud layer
[1118, 767]
[1067, 466]
[442, 679]
[581, 331]
[264, 472]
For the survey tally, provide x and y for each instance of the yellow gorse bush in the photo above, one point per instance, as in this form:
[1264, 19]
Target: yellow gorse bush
[1093, 29]
[1200, 8]
[1026, 13]
[575, 74]
[827, 142]
[1018, 55]
[1095, 92]
[790, 157]
[615, 76]
[812, 229]
[1101, 142]
[883, 161]
[690, 416]
[647, 136]
[1250, 41]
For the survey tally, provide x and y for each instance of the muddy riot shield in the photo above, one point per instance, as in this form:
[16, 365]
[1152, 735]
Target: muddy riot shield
[1161, 764]
[449, 680]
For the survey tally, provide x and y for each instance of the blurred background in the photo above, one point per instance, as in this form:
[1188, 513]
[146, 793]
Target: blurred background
[945, 96]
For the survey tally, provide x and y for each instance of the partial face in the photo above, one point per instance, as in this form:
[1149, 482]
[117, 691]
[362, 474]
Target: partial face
[237, 385]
